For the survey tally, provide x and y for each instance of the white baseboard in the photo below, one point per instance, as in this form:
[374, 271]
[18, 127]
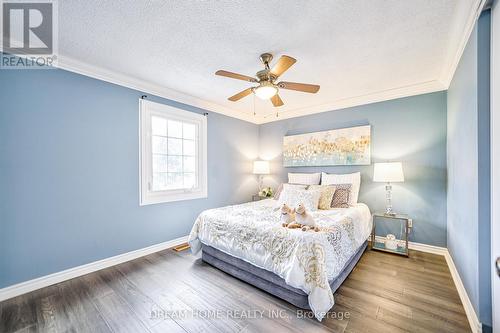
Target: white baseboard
[472, 317]
[45, 281]
[48, 280]
[420, 247]
[427, 248]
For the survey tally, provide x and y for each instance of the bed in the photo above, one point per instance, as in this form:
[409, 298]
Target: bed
[303, 268]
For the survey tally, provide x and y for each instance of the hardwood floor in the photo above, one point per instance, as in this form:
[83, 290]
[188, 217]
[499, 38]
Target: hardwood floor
[176, 292]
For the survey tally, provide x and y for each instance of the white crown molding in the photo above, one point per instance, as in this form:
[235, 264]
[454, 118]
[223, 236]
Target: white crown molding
[106, 75]
[48, 280]
[99, 73]
[442, 83]
[455, 55]
[383, 95]
[150, 88]
[82, 68]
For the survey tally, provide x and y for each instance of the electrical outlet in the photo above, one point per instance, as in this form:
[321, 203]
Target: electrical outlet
[410, 223]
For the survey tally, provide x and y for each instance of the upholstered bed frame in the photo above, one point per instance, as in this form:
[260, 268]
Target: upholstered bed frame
[267, 280]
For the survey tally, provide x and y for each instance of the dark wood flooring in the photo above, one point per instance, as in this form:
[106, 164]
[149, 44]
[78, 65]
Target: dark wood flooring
[177, 292]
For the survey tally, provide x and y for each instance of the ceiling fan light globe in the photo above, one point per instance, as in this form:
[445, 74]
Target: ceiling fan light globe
[266, 91]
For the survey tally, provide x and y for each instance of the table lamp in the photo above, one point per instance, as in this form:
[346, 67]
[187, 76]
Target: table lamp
[389, 172]
[261, 168]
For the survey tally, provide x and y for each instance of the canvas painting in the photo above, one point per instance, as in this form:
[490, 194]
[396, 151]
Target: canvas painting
[345, 146]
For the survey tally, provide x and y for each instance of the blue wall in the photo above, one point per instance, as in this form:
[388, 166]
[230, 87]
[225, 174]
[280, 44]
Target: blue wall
[69, 173]
[411, 130]
[469, 169]
[69, 169]
[484, 161]
[463, 169]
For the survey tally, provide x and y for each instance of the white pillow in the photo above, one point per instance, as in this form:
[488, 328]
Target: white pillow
[294, 186]
[283, 185]
[350, 178]
[304, 178]
[293, 197]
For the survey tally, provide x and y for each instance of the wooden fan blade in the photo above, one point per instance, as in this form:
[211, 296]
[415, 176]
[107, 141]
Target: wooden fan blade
[240, 95]
[282, 65]
[277, 100]
[309, 88]
[235, 76]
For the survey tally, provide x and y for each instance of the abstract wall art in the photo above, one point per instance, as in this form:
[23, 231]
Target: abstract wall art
[345, 146]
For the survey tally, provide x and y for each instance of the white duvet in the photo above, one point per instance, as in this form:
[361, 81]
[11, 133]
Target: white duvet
[305, 260]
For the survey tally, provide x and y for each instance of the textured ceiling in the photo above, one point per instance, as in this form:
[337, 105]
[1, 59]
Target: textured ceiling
[351, 48]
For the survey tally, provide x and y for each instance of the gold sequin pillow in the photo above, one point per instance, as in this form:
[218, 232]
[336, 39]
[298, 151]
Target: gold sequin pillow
[326, 197]
[341, 196]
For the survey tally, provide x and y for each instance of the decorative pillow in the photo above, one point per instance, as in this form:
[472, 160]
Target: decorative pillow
[286, 185]
[304, 178]
[326, 197]
[341, 196]
[293, 197]
[351, 178]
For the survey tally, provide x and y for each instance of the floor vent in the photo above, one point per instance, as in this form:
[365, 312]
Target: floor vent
[181, 247]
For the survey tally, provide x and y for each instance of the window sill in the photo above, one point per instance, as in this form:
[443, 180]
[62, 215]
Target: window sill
[162, 198]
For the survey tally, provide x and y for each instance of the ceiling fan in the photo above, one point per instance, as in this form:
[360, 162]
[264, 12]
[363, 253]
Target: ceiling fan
[267, 88]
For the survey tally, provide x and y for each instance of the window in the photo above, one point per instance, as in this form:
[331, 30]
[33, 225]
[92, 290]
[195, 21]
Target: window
[173, 158]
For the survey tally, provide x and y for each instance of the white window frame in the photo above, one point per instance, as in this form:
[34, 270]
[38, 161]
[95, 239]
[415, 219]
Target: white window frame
[147, 109]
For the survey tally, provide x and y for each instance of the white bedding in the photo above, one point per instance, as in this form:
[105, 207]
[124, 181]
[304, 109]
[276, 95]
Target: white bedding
[305, 260]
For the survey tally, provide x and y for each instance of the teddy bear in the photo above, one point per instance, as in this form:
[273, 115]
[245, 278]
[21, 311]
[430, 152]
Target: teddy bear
[304, 219]
[288, 217]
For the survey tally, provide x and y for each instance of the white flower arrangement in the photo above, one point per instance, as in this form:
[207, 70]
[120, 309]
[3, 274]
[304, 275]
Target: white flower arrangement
[266, 192]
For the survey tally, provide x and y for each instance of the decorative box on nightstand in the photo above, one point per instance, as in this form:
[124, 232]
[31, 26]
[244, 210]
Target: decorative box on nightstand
[400, 245]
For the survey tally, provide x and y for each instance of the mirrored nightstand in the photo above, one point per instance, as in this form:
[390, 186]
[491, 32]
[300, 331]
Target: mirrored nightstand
[398, 245]
[257, 197]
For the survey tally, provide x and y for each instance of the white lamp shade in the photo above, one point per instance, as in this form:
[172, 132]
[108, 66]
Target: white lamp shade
[391, 172]
[261, 167]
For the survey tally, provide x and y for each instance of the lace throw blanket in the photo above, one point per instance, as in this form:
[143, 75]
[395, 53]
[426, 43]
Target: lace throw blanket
[305, 260]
